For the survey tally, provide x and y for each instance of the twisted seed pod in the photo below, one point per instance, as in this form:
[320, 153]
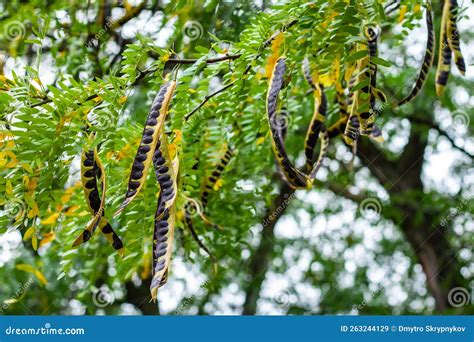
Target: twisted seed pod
[453, 36]
[316, 125]
[324, 138]
[444, 54]
[337, 128]
[166, 173]
[351, 133]
[367, 118]
[91, 170]
[427, 60]
[91, 193]
[377, 134]
[296, 179]
[143, 158]
[341, 102]
[163, 236]
[212, 179]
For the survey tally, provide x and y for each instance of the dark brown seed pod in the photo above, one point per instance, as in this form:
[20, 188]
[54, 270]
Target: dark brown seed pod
[144, 156]
[315, 126]
[427, 60]
[295, 178]
[216, 174]
[92, 170]
[163, 236]
[444, 54]
[324, 139]
[453, 36]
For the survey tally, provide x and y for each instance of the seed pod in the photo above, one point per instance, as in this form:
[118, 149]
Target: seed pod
[163, 236]
[166, 172]
[212, 179]
[367, 117]
[337, 128]
[351, 133]
[144, 156]
[341, 102]
[315, 126]
[377, 134]
[444, 54]
[427, 60]
[453, 36]
[324, 138]
[296, 179]
[91, 170]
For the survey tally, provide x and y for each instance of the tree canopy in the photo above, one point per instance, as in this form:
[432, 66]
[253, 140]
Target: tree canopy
[231, 104]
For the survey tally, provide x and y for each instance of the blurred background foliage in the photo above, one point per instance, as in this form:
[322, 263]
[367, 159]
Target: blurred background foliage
[393, 235]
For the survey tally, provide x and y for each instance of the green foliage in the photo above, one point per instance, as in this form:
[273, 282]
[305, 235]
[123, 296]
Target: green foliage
[76, 72]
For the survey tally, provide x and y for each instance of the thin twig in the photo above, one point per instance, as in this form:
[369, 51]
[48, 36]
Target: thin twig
[208, 61]
[207, 98]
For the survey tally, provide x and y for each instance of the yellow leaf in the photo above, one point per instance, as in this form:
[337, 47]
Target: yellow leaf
[218, 184]
[417, 8]
[31, 269]
[70, 211]
[274, 55]
[34, 242]
[28, 233]
[34, 211]
[403, 11]
[41, 277]
[51, 219]
[9, 188]
[48, 237]
[27, 167]
[260, 140]
[26, 268]
[32, 184]
[122, 99]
